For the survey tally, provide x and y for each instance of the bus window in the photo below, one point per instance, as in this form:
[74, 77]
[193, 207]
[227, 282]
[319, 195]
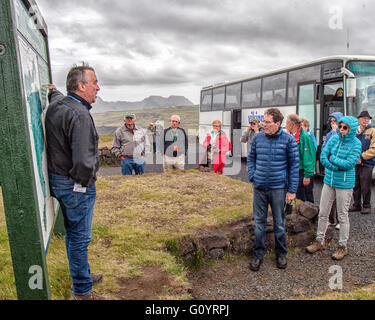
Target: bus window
[218, 98]
[365, 75]
[251, 93]
[233, 96]
[274, 90]
[306, 104]
[206, 100]
[301, 75]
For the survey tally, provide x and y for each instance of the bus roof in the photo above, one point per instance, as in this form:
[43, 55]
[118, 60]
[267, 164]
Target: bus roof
[343, 58]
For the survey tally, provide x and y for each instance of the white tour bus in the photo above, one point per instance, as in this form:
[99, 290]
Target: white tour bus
[312, 90]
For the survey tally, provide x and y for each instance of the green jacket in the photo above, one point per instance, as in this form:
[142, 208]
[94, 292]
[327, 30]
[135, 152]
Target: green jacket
[307, 155]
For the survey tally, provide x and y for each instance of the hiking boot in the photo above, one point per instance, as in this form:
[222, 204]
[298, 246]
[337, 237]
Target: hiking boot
[366, 210]
[90, 296]
[281, 262]
[340, 253]
[354, 208]
[96, 277]
[255, 264]
[314, 247]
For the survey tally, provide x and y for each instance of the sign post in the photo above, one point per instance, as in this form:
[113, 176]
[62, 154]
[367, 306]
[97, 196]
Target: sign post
[29, 208]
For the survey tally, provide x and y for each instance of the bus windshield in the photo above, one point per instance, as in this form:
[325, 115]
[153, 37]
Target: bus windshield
[365, 75]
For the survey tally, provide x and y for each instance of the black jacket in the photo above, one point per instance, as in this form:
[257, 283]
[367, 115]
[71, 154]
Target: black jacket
[72, 139]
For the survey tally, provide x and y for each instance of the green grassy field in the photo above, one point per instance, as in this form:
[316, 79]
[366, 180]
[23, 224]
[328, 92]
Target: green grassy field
[189, 117]
[134, 222]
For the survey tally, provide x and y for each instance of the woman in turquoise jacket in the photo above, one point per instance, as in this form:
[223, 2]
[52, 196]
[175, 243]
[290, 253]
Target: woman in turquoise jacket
[339, 158]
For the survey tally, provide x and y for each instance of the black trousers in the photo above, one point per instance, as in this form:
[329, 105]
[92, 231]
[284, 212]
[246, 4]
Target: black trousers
[362, 188]
[305, 193]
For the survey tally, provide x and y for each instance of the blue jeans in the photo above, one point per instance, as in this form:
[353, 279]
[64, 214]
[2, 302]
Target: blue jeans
[276, 199]
[77, 209]
[129, 164]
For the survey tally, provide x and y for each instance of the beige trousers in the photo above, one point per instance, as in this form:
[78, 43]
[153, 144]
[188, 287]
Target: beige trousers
[343, 198]
[174, 163]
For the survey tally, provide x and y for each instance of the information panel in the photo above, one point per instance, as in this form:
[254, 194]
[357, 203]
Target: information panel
[30, 211]
[34, 71]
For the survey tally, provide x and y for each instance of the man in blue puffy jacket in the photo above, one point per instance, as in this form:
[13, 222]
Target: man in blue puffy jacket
[273, 168]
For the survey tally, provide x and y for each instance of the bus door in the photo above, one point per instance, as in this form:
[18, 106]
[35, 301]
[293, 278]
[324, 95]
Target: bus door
[333, 101]
[332, 97]
[308, 107]
[236, 133]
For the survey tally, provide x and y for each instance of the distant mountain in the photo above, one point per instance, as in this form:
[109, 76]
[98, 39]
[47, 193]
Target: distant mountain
[101, 106]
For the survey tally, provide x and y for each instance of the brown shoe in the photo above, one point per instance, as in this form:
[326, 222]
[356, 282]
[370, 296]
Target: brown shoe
[354, 208]
[96, 277]
[314, 247]
[90, 296]
[340, 253]
[366, 210]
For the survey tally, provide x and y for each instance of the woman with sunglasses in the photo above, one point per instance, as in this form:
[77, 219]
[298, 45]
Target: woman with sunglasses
[339, 158]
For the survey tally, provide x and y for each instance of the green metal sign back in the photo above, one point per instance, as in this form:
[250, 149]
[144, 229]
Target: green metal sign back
[29, 208]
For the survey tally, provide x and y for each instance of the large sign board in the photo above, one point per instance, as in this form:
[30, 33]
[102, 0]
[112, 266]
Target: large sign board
[35, 74]
[29, 208]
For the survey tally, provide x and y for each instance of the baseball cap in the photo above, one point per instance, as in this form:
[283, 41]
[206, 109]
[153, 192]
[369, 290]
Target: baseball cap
[129, 115]
[254, 120]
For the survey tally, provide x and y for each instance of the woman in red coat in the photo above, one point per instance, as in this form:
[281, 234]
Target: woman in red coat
[217, 145]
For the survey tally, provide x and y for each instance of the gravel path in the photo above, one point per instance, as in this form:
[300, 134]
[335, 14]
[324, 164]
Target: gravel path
[306, 275]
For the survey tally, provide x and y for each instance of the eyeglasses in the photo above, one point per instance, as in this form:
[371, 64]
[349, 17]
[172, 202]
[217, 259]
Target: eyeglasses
[252, 123]
[343, 127]
[267, 122]
[175, 121]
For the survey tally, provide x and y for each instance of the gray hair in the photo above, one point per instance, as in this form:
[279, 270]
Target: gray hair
[295, 119]
[176, 116]
[76, 75]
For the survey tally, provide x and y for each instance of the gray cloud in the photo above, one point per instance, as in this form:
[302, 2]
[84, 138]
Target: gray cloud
[171, 42]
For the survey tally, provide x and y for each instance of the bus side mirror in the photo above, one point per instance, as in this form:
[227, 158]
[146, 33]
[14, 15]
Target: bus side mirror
[351, 87]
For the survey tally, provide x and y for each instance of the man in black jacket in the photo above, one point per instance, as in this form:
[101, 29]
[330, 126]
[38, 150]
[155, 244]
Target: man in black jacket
[72, 151]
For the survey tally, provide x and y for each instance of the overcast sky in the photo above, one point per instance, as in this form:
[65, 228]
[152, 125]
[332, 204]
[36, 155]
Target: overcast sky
[175, 47]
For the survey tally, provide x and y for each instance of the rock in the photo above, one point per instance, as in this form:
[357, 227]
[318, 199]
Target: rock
[187, 246]
[208, 240]
[296, 223]
[303, 239]
[106, 158]
[217, 253]
[309, 210]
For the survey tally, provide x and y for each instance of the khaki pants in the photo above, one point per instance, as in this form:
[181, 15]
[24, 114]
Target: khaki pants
[343, 198]
[174, 163]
